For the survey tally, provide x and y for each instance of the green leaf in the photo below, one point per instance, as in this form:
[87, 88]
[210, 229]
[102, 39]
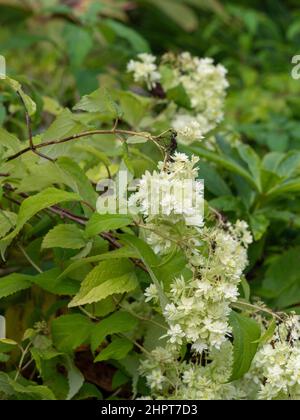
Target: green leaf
[245, 332]
[75, 378]
[118, 322]
[289, 186]
[28, 392]
[80, 182]
[88, 391]
[282, 279]
[38, 202]
[268, 334]
[9, 141]
[51, 282]
[98, 101]
[108, 278]
[106, 222]
[65, 236]
[13, 283]
[66, 124]
[124, 252]
[253, 161]
[8, 221]
[138, 43]
[213, 180]
[70, 331]
[183, 15]
[16, 86]
[225, 162]
[179, 96]
[78, 42]
[150, 260]
[134, 107]
[116, 350]
[259, 224]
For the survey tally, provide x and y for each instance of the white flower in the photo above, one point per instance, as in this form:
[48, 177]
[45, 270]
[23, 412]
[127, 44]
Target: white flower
[188, 129]
[175, 334]
[155, 379]
[151, 293]
[144, 70]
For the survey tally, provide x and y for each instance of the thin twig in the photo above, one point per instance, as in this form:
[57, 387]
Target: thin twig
[78, 136]
[29, 259]
[82, 220]
[243, 305]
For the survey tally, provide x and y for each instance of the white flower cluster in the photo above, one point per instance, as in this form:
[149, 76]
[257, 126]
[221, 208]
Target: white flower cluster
[144, 70]
[276, 366]
[173, 195]
[169, 378]
[204, 84]
[199, 308]
[188, 128]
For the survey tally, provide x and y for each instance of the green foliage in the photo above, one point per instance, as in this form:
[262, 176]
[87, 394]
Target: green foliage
[246, 332]
[71, 279]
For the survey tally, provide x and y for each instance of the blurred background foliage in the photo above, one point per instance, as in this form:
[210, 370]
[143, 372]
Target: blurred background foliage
[73, 43]
[61, 50]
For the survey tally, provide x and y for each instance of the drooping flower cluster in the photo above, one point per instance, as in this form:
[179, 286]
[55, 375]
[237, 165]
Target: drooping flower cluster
[196, 85]
[171, 194]
[170, 378]
[276, 367]
[199, 300]
[205, 85]
[144, 70]
[198, 309]
[196, 360]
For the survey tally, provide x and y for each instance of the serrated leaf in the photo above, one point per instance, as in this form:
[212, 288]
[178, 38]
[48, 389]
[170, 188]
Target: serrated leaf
[98, 101]
[245, 332]
[63, 126]
[16, 86]
[75, 378]
[51, 282]
[224, 161]
[118, 322]
[124, 252]
[116, 350]
[8, 221]
[9, 141]
[108, 278]
[81, 184]
[64, 236]
[32, 205]
[13, 283]
[134, 107]
[32, 392]
[70, 331]
[104, 222]
[150, 260]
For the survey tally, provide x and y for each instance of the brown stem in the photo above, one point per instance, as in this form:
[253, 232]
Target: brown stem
[74, 137]
[82, 220]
